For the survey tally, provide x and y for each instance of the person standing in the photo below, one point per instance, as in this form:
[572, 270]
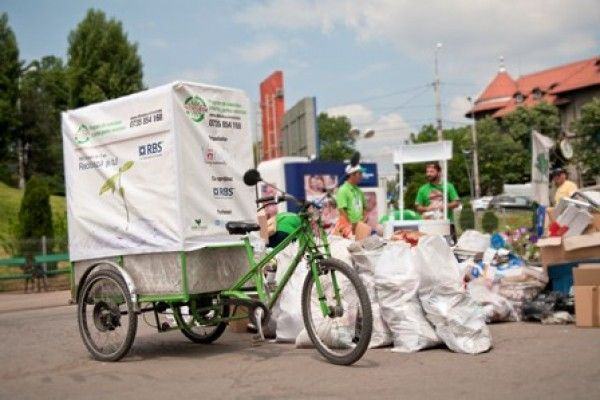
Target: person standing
[564, 187]
[430, 197]
[350, 201]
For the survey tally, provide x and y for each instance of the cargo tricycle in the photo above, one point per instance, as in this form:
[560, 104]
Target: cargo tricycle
[336, 310]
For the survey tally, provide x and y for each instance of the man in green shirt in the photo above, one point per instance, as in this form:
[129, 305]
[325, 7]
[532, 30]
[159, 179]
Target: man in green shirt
[350, 199]
[430, 199]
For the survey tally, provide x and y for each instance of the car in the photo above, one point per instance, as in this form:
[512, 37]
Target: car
[503, 202]
[482, 203]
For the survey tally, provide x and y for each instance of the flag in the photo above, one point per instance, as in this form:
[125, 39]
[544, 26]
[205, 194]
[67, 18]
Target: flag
[540, 167]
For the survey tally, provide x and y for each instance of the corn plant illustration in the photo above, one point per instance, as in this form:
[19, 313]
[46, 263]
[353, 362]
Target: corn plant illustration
[114, 184]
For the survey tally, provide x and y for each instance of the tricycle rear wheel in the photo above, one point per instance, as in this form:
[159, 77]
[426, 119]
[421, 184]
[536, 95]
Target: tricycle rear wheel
[106, 317]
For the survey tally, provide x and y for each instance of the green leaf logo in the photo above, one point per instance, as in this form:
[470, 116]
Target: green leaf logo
[195, 108]
[114, 182]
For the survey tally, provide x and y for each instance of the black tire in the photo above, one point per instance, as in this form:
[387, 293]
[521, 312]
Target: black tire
[116, 315]
[362, 336]
[196, 337]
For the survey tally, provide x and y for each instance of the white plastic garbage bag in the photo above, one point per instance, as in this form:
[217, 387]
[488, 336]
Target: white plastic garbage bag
[287, 311]
[496, 307]
[397, 283]
[458, 320]
[474, 241]
[381, 335]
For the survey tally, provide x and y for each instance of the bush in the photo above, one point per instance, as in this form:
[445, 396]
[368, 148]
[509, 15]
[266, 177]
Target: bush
[35, 215]
[489, 222]
[467, 217]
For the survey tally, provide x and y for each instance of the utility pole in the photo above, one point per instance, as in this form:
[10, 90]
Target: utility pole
[438, 101]
[475, 151]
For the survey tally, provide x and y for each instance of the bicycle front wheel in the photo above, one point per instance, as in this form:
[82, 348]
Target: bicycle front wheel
[343, 335]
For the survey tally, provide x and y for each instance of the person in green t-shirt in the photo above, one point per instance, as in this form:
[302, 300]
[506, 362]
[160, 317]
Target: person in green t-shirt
[350, 199]
[430, 199]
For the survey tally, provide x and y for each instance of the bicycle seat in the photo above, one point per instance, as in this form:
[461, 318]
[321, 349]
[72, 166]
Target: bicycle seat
[241, 227]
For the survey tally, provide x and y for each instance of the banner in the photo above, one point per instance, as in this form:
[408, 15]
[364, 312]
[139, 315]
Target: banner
[540, 167]
[157, 171]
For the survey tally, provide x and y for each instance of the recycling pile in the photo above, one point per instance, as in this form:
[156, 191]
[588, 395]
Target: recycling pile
[417, 297]
[498, 278]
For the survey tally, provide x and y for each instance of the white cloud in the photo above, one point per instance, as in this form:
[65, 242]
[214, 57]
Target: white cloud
[390, 130]
[260, 50]
[359, 115]
[203, 75]
[457, 108]
[529, 34]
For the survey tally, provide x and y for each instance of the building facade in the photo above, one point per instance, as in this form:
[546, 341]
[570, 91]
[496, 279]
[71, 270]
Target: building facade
[568, 87]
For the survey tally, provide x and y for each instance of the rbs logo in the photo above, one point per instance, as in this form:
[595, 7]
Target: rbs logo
[150, 149]
[222, 192]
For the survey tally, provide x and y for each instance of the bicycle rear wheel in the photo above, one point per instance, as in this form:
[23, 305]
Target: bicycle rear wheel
[342, 336]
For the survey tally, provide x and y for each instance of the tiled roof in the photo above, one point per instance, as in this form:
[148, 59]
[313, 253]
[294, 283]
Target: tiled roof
[501, 93]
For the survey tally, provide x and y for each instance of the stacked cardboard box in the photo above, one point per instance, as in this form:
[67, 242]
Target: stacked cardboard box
[582, 240]
[587, 295]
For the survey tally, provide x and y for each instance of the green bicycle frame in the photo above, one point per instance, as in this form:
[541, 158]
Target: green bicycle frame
[307, 246]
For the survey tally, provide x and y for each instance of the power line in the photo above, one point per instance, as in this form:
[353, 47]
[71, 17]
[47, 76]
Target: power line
[382, 96]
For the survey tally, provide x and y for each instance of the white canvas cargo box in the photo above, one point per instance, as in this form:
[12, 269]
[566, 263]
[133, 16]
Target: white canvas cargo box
[158, 171]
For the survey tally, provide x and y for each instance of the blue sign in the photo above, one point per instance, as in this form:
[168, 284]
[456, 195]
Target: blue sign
[298, 176]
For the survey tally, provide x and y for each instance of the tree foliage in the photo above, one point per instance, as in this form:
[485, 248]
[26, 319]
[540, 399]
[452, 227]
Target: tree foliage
[35, 214]
[467, 217]
[44, 94]
[489, 222]
[335, 141]
[10, 70]
[102, 63]
[587, 145]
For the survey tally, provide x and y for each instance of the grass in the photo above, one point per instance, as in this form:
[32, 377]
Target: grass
[506, 219]
[10, 202]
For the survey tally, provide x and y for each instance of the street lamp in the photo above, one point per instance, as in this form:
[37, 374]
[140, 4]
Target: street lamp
[467, 154]
[475, 151]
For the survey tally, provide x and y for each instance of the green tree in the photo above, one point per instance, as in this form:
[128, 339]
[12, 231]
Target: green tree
[467, 217]
[102, 63]
[587, 145]
[489, 222]
[35, 215]
[10, 70]
[544, 118]
[44, 94]
[501, 158]
[335, 141]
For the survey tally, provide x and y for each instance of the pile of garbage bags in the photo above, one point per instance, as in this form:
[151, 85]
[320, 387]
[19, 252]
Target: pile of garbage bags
[417, 297]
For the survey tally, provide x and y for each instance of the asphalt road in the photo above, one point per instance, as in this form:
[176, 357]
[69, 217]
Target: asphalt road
[42, 357]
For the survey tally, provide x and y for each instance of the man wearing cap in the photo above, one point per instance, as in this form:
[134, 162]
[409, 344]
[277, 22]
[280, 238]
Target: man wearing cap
[350, 199]
[564, 187]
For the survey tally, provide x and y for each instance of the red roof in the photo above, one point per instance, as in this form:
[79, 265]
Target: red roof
[499, 97]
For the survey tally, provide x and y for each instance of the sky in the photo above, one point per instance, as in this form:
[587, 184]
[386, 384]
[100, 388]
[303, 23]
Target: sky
[372, 61]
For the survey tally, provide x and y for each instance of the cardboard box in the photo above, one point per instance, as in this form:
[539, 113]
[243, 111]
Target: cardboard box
[587, 275]
[587, 306]
[595, 224]
[555, 250]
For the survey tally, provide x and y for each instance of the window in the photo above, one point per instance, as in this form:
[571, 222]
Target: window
[519, 97]
[537, 93]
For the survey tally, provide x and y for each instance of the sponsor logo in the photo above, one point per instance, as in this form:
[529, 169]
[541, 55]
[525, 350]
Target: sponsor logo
[148, 150]
[212, 156]
[224, 212]
[83, 134]
[197, 225]
[195, 108]
[222, 179]
[223, 192]
[87, 133]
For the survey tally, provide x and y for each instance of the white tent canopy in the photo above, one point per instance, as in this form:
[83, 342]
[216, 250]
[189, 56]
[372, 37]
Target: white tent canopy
[423, 152]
